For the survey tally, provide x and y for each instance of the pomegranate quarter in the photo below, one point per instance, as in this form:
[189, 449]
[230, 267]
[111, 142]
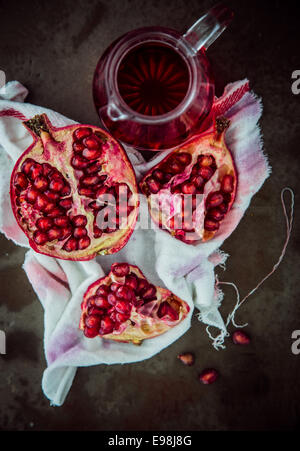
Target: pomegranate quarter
[190, 191]
[125, 307]
[65, 181]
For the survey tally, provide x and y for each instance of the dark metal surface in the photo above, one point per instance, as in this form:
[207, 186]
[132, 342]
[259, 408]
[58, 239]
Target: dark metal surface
[52, 48]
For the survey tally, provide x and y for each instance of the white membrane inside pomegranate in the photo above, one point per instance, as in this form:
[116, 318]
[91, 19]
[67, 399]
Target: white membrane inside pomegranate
[61, 183]
[193, 188]
[124, 306]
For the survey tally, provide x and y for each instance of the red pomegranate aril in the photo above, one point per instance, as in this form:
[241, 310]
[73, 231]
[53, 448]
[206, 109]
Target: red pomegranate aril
[91, 143]
[78, 147]
[97, 232]
[131, 281]
[79, 232]
[91, 332]
[79, 162]
[197, 180]
[149, 293]
[44, 224]
[153, 185]
[103, 290]
[187, 358]
[26, 166]
[173, 166]
[206, 160]
[32, 195]
[121, 317]
[71, 245]
[211, 225]
[206, 172]
[123, 307]
[61, 221]
[216, 214]
[91, 154]
[95, 311]
[184, 158]
[107, 326]
[120, 269]
[66, 190]
[54, 233]
[82, 132]
[57, 211]
[142, 286]
[42, 202]
[92, 321]
[188, 188]
[47, 169]
[66, 203]
[126, 293]
[158, 175]
[227, 184]
[56, 185]
[112, 298]
[79, 221]
[165, 310]
[84, 242]
[40, 237]
[52, 195]
[90, 180]
[167, 177]
[208, 376]
[88, 192]
[214, 200]
[65, 232]
[114, 286]
[223, 208]
[94, 167]
[240, 337]
[21, 181]
[35, 171]
[102, 302]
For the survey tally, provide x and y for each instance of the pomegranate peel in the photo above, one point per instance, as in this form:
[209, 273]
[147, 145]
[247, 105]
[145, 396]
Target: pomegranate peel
[192, 189]
[58, 177]
[129, 314]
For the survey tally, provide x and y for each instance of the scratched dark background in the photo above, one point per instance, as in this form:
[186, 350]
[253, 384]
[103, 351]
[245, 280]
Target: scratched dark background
[52, 48]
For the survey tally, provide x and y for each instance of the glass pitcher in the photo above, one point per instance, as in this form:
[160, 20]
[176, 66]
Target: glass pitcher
[153, 87]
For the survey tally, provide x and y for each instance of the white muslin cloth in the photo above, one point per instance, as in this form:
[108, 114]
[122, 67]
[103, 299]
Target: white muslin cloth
[188, 271]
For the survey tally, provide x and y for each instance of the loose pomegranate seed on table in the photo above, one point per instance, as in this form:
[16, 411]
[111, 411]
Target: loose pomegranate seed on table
[128, 307]
[208, 376]
[61, 183]
[239, 337]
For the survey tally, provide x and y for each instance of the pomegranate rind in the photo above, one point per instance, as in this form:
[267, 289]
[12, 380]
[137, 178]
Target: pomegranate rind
[145, 326]
[115, 163]
[211, 142]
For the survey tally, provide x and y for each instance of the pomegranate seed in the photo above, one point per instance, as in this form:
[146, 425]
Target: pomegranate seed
[114, 286]
[184, 158]
[79, 162]
[88, 192]
[56, 185]
[21, 181]
[42, 202]
[41, 183]
[82, 132]
[120, 269]
[52, 195]
[47, 169]
[167, 177]
[188, 188]
[197, 180]
[79, 232]
[208, 376]
[71, 245]
[107, 326]
[90, 180]
[153, 185]
[66, 203]
[214, 200]
[123, 307]
[95, 311]
[40, 237]
[65, 232]
[66, 190]
[131, 281]
[90, 332]
[158, 175]
[79, 221]
[35, 171]
[32, 195]
[173, 166]
[44, 224]
[92, 321]
[142, 286]
[54, 233]
[84, 242]
[240, 338]
[206, 172]
[103, 290]
[102, 302]
[227, 184]
[78, 147]
[121, 317]
[91, 154]
[125, 293]
[223, 208]
[165, 310]
[94, 167]
[216, 214]
[26, 166]
[112, 299]
[91, 143]
[149, 293]
[187, 358]
[211, 225]
[57, 211]
[97, 232]
[206, 160]
[61, 221]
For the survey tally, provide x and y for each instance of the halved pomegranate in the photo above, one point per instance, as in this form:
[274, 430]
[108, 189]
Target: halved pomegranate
[191, 190]
[124, 306]
[58, 187]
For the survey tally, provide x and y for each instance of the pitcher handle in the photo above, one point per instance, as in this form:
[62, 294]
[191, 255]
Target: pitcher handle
[209, 27]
